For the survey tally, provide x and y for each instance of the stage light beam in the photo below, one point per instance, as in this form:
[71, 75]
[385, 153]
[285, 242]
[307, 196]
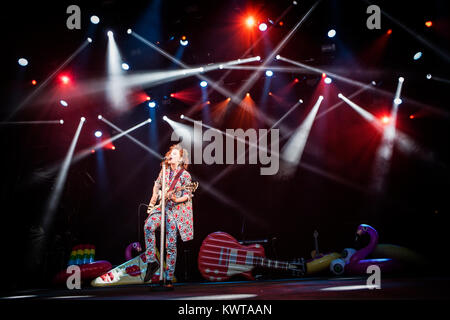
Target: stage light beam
[293, 150]
[55, 196]
[116, 86]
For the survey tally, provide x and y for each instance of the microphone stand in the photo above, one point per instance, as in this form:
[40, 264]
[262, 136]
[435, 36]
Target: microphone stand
[163, 220]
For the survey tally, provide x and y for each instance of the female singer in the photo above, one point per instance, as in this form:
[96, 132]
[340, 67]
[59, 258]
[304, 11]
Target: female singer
[178, 212]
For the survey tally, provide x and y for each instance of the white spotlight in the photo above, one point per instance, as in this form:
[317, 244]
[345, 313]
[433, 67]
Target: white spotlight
[203, 84]
[152, 104]
[278, 57]
[374, 83]
[301, 101]
[89, 40]
[83, 119]
[269, 73]
[263, 27]
[129, 31]
[182, 116]
[294, 3]
[258, 58]
[418, 55]
[63, 103]
[149, 120]
[184, 43]
[125, 66]
[100, 117]
[428, 76]
[98, 134]
[331, 33]
[23, 62]
[110, 34]
[221, 66]
[328, 80]
[165, 118]
[397, 101]
[95, 19]
[61, 121]
[340, 95]
[401, 79]
[320, 98]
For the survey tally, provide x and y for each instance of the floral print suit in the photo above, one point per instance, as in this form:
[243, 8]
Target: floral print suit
[178, 217]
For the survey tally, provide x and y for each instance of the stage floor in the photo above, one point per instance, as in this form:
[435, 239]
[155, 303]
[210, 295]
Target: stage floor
[423, 288]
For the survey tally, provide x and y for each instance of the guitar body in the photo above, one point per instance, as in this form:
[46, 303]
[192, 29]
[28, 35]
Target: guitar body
[222, 257]
[192, 187]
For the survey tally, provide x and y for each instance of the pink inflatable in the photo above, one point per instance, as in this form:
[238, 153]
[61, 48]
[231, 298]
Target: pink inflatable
[88, 271]
[358, 264]
[135, 246]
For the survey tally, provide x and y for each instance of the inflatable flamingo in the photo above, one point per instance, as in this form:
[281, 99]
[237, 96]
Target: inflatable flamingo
[356, 262]
[135, 246]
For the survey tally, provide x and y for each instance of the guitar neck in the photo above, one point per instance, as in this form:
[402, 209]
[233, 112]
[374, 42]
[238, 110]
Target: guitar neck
[271, 264]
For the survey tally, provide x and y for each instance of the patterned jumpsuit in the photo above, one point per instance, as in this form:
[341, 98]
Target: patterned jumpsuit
[178, 216]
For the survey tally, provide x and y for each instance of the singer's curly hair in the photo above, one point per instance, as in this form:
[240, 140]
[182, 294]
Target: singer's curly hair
[183, 153]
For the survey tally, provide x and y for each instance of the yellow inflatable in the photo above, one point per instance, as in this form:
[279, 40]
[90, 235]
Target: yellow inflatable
[321, 263]
[403, 255]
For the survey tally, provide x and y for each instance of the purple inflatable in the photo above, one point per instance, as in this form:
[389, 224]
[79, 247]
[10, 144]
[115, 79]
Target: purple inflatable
[357, 264]
[135, 246]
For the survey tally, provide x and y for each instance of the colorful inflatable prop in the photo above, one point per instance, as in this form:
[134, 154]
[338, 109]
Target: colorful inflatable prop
[319, 262]
[84, 257]
[337, 266]
[404, 255]
[357, 264]
[130, 272]
[135, 246]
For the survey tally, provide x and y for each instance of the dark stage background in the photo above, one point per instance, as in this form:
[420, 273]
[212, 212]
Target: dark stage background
[99, 204]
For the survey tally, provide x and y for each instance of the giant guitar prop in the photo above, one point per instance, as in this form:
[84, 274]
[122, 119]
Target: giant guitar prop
[222, 257]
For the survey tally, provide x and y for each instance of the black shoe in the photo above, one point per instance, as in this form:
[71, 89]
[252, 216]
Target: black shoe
[151, 269]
